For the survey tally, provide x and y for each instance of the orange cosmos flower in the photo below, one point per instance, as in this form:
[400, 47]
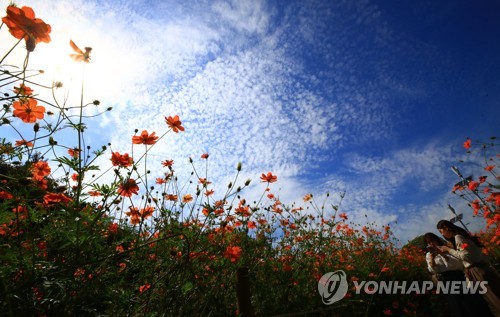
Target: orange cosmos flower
[269, 178]
[171, 197]
[204, 156]
[307, 197]
[187, 198]
[473, 185]
[204, 181]
[24, 142]
[489, 168]
[94, 193]
[128, 188]
[73, 152]
[51, 198]
[80, 56]
[147, 211]
[145, 138]
[28, 110]
[23, 24]
[118, 159]
[144, 287]
[467, 144]
[5, 195]
[160, 181]
[209, 192]
[167, 163]
[39, 170]
[232, 253]
[134, 215]
[23, 90]
[20, 209]
[174, 123]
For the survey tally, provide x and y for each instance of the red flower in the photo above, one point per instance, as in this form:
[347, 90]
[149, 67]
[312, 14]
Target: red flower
[457, 187]
[39, 170]
[23, 90]
[113, 228]
[204, 156]
[118, 159]
[145, 138]
[233, 253]
[136, 215]
[467, 144]
[23, 24]
[74, 152]
[482, 179]
[128, 188]
[270, 178]
[187, 198]
[204, 181]
[94, 193]
[5, 195]
[343, 216]
[51, 198]
[28, 110]
[144, 287]
[465, 246]
[167, 163]
[473, 185]
[25, 143]
[489, 168]
[174, 123]
[171, 197]
[147, 211]
[475, 207]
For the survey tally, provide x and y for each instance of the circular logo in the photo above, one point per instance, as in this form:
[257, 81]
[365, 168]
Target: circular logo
[332, 287]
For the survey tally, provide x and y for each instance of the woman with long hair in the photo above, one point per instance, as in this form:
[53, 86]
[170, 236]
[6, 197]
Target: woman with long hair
[468, 249]
[446, 268]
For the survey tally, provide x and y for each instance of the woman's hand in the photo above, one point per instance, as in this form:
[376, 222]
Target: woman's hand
[444, 249]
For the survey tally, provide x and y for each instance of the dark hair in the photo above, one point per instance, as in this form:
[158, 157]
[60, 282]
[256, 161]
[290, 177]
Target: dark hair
[457, 230]
[431, 237]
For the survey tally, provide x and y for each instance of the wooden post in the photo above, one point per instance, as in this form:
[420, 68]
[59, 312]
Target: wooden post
[243, 293]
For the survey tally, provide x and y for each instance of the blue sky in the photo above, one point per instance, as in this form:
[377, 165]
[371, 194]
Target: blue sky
[373, 98]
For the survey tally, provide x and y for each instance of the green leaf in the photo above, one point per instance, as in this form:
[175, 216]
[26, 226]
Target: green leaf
[72, 163]
[188, 286]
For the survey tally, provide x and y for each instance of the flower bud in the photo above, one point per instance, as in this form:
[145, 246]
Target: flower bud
[30, 44]
[36, 127]
[238, 168]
